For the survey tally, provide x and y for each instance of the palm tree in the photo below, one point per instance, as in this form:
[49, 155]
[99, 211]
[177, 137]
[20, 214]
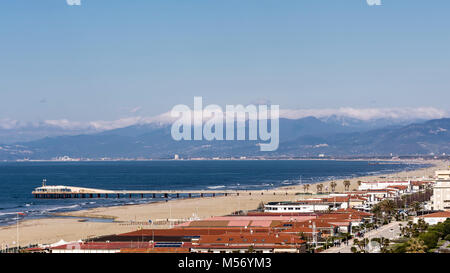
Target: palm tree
[319, 188]
[415, 245]
[306, 187]
[347, 184]
[333, 186]
[377, 211]
[361, 244]
[416, 207]
[388, 206]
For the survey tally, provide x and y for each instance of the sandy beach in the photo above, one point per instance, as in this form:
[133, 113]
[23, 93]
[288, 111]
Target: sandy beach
[131, 217]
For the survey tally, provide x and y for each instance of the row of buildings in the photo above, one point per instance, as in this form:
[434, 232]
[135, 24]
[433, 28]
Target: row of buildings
[367, 195]
[281, 227]
[258, 232]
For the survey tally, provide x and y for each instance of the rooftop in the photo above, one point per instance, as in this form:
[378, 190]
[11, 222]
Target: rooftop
[439, 214]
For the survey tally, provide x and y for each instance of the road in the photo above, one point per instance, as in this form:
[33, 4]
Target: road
[390, 231]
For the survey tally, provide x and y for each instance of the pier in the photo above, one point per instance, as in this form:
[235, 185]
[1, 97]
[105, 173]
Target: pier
[62, 192]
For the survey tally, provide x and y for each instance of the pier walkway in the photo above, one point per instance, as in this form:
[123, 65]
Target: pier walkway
[59, 192]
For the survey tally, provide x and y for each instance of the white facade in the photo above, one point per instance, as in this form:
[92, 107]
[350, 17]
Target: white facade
[431, 220]
[434, 218]
[380, 185]
[85, 250]
[441, 191]
[295, 207]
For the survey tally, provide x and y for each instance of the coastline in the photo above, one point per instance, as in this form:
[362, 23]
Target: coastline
[131, 217]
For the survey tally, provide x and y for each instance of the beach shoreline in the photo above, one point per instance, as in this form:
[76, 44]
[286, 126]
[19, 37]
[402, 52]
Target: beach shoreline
[131, 217]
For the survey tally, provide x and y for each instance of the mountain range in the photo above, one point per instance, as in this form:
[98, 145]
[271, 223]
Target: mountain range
[305, 137]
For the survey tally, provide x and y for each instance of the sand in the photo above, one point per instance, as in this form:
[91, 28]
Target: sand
[131, 217]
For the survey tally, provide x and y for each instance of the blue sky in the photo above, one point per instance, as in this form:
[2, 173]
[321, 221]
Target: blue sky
[107, 60]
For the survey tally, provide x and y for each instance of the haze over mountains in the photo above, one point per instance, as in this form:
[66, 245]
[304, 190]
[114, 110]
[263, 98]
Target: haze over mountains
[303, 137]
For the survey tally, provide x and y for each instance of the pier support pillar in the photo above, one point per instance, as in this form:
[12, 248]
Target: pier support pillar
[98, 195]
[142, 195]
[91, 195]
[129, 196]
[106, 195]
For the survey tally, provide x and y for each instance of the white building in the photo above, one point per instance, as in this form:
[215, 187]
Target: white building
[277, 207]
[434, 218]
[441, 191]
[379, 185]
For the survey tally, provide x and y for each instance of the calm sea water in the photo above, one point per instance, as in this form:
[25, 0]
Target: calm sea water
[17, 180]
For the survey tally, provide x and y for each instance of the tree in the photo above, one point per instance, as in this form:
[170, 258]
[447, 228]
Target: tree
[388, 206]
[347, 185]
[385, 245]
[422, 226]
[416, 207]
[319, 188]
[413, 230]
[430, 239]
[383, 242]
[385, 209]
[415, 245]
[377, 211]
[361, 244]
[251, 249]
[306, 187]
[333, 186]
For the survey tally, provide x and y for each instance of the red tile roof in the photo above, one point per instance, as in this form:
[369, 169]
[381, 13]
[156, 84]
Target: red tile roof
[249, 239]
[440, 214]
[104, 245]
[193, 231]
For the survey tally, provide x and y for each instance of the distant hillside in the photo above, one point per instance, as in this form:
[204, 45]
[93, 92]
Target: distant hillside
[302, 137]
[415, 139]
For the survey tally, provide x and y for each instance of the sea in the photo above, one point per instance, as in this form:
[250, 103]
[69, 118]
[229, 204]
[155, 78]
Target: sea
[18, 179]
